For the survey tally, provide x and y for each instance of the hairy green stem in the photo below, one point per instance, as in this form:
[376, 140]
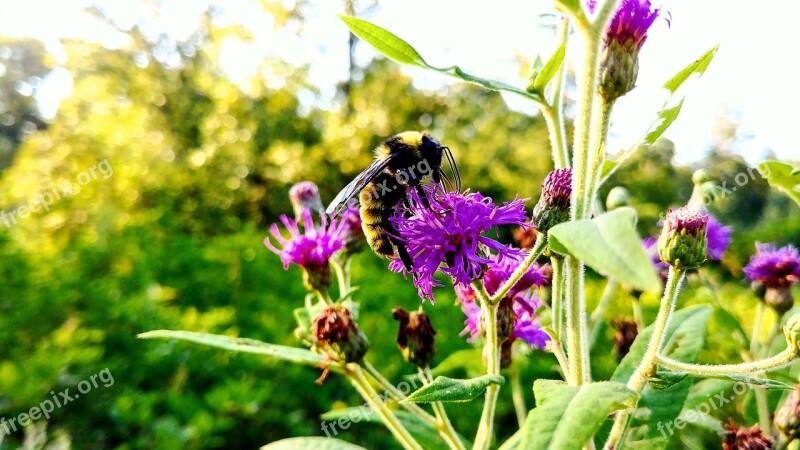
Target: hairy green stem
[397, 394]
[762, 403]
[775, 362]
[558, 350]
[650, 360]
[446, 429]
[638, 315]
[356, 375]
[518, 397]
[483, 438]
[577, 348]
[761, 309]
[558, 135]
[557, 295]
[600, 125]
[535, 252]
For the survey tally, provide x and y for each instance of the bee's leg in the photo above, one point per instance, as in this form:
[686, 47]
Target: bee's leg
[423, 197]
[402, 251]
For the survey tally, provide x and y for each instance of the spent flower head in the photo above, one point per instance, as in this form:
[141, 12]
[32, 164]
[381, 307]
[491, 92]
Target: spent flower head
[415, 336]
[336, 333]
[741, 438]
[311, 249]
[624, 38]
[451, 234]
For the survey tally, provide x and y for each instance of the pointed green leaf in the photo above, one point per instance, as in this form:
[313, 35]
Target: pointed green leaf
[444, 389]
[684, 339]
[610, 245]
[421, 431]
[292, 354]
[666, 118]
[550, 69]
[699, 67]
[384, 41]
[311, 443]
[668, 377]
[782, 176]
[568, 416]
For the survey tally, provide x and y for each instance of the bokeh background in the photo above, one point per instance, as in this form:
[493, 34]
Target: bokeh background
[207, 112]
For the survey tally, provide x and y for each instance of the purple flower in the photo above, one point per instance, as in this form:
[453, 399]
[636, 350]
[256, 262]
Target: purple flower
[305, 195]
[719, 238]
[774, 267]
[451, 234]
[630, 23]
[352, 233]
[311, 249]
[499, 270]
[526, 324]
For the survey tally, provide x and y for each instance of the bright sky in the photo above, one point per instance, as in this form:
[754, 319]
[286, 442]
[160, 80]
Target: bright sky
[753, 79]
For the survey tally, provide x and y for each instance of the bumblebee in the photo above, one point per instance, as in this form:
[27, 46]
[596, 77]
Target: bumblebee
[401, 163]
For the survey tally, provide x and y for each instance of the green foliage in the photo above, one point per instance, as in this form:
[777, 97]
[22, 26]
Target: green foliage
[610, 245]
[311, 443]
[783, 176]
[568, 416]
[444, 389]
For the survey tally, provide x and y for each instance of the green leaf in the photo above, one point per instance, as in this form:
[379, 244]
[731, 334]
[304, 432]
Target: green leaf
[684, 339]
[468, 359]
[444, 389]
[699, 67]
[568, 416]
[311, 443]
[666, 118]
[384, 41]
[243, 345]
[549, 70]
[402, 52]
[421, 431]
[610, 245]
[782, 176]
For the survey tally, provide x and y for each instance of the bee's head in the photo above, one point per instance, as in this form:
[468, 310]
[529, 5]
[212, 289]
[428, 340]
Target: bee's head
[434, 152]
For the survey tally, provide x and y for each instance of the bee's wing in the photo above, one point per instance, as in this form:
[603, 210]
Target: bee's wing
[358, 183]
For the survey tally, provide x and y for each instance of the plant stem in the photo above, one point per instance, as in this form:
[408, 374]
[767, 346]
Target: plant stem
[446, 429]
[558, 351]
[518, 397]
[762, 403]
[577, 348]
[650, 360]
[557, 295]
[601, 122]
[388, 387]
[535, 252]
[754, 338]
[558, 135]
[776, 362]
[356, 375]
[483, 439]
[638, 316]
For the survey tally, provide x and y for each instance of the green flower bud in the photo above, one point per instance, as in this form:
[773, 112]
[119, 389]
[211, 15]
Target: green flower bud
[792, 333]
[683, 243]
[780, 299]
[554, 203]
[619, 69]
[701, 176]
[787, 417]
[617, 198]
[415, 336]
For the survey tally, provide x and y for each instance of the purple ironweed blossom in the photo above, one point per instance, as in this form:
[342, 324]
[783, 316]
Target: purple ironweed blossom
[305, 195]
[774, 267]
[719, 238]
[499, 270]
[683, 243]
[451, 234]
[311, 249]
[526, 323]
[554, 203]
[624, 38]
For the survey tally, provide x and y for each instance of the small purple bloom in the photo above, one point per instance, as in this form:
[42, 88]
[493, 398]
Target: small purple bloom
[450, 234]
[305, 195]
[526, 324]
[719, 238]
[499, 270]
[311, 249]
[352, 233]
[690, 221]
[774, 267]
[630, 23]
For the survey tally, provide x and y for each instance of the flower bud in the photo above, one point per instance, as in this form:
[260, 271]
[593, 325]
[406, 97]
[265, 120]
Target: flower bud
[787, 417]
[305, 195]
[779, 299]
[792, 333]
[506, 319]
[554, 203]
[701, 176]
[415, 336]
[752, 438]
[759, 289]
[337, 333]
[683, 243]
[617, 198]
